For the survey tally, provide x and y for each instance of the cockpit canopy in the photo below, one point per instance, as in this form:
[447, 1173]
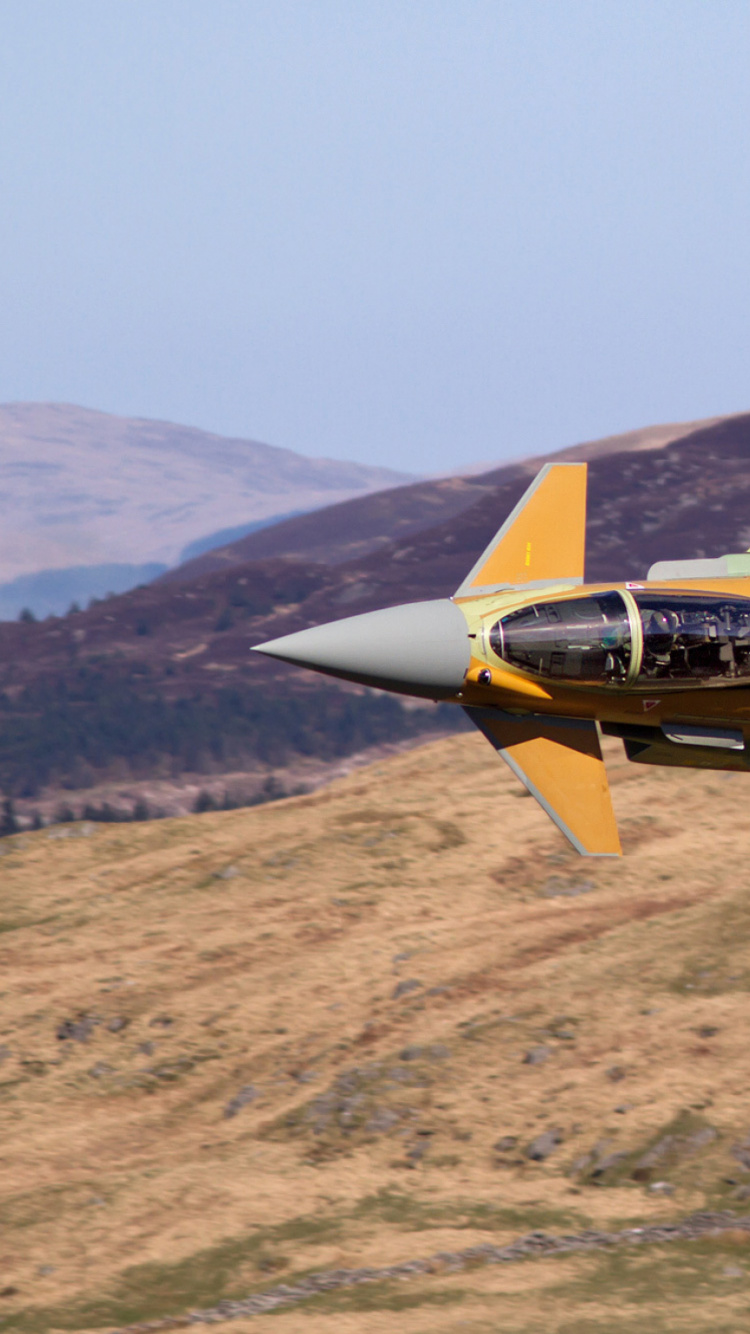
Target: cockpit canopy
[694, 637]
[635, 638]
[579, 639]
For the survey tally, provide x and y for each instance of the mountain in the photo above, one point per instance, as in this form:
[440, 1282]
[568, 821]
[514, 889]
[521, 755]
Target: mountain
[79, 487]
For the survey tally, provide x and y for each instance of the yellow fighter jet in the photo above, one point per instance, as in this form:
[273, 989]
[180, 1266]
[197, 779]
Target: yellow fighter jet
[543, 663]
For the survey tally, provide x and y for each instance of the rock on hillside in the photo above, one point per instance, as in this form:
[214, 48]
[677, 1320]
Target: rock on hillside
[79, 487]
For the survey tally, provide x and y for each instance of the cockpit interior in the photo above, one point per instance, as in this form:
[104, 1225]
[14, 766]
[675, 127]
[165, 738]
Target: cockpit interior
[629, 638]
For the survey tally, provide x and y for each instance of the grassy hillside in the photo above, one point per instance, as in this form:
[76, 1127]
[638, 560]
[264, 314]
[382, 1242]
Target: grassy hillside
[329, 1032]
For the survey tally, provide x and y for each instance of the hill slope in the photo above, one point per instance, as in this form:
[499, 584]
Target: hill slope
[350, 530]
[331, 1032]
[82, 487]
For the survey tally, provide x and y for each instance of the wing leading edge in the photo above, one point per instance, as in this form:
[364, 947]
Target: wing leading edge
[559, 761]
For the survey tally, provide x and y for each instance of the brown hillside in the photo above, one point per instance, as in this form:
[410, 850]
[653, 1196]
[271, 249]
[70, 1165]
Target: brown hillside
[330, 1033]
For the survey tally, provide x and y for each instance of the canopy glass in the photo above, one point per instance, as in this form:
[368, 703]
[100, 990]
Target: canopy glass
[694, 637]
[637, 638]
[579, 639]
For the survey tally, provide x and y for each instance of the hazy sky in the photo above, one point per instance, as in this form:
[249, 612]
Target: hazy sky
[403, 231]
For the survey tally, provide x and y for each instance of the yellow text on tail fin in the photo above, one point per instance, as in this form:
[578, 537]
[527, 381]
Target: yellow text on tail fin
[542, 540]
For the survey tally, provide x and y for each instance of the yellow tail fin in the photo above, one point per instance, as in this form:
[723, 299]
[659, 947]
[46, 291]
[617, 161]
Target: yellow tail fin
[542, 541]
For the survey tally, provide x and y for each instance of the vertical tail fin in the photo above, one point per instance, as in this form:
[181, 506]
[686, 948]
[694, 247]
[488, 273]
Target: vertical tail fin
[542, 540]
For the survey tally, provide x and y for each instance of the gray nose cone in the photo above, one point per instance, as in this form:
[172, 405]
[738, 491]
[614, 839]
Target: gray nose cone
[421, 648]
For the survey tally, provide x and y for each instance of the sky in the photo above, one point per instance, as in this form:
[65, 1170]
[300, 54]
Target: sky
[406, 232]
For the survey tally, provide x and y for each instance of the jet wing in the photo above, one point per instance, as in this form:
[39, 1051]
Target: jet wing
[559, 761]
[542, 541]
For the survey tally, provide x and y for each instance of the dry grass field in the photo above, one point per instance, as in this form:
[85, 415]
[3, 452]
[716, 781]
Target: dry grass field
[242, 1046]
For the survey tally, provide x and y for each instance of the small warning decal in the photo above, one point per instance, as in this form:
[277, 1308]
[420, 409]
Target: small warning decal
[650, 704]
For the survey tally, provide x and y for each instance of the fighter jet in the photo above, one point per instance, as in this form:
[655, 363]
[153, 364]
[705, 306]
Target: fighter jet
[543, 664]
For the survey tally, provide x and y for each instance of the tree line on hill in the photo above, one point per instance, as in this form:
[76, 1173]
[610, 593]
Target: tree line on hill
[75, 730]
[106, 813]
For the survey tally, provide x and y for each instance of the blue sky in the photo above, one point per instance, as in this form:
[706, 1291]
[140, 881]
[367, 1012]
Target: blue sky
[418, 234]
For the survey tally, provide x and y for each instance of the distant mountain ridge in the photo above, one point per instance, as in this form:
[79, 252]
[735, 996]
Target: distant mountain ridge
[80, 487]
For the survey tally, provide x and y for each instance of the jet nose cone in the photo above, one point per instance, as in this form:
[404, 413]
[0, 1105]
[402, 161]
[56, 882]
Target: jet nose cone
[418, 648]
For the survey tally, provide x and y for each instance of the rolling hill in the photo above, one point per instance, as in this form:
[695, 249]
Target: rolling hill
[79, 487]
[366, 524]
[394, 1025]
